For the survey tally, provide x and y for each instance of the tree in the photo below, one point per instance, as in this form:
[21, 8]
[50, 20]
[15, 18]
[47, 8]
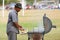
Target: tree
[32, 1]
[1, 2]
[13, 1]
[7, 1]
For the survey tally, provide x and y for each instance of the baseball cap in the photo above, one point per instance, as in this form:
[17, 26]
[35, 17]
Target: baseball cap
[18, 5]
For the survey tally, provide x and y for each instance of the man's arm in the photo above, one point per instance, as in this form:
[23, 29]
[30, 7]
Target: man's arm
[18, 26]
[15, 21]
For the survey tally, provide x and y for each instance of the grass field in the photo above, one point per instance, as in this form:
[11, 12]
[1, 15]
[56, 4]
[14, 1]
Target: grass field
[30, 20]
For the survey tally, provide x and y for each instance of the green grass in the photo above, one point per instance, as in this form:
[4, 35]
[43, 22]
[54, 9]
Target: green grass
[30, 20]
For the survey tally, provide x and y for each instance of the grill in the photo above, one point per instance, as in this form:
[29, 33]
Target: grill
[39, 32]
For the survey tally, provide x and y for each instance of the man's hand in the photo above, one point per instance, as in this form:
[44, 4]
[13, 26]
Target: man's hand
[21, 29]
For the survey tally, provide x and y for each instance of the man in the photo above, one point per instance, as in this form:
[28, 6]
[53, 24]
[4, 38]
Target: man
[12, 25]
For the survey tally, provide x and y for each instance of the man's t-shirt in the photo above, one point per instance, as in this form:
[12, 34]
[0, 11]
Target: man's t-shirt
[13, 17]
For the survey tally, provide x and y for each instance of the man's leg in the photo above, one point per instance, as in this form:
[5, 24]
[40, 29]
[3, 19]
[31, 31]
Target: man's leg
[12, 36]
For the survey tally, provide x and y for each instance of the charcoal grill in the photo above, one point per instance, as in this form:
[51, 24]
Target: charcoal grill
[47, 28]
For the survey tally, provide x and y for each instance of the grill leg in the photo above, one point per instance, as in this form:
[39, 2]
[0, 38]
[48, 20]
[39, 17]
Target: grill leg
[28, 38]
[43, 37]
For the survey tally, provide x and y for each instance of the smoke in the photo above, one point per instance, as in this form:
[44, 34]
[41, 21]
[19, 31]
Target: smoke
[39, 28]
